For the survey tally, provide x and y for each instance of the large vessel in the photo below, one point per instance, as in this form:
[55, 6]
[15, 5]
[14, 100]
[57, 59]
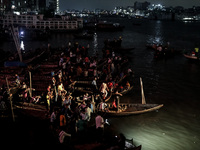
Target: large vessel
[38, 22]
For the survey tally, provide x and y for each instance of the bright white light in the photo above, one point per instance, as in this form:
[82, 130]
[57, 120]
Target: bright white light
[16, 12]
[13, 6]
[187, 18]
[22, 32]
[22, 45]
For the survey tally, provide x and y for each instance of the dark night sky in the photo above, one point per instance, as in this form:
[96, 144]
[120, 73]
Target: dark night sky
[110, 4]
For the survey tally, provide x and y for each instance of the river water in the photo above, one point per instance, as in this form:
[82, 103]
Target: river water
[174, 82]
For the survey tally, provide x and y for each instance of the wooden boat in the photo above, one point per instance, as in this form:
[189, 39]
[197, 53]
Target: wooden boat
[133, 109]
[190, 57]
[131, 146]
[35, 110]
[14, 64]
[91, 93]
[108, 26]
[127, 109]
[43, 52]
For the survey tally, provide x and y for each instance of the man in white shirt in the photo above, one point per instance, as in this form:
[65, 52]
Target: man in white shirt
[88, 113]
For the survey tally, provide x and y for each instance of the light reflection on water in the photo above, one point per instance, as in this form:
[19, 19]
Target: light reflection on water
[163, 130]
[156, 37]
[95, 44]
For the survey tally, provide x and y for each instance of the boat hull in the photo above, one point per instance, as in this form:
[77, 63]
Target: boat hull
[190, 57]
[134, 109]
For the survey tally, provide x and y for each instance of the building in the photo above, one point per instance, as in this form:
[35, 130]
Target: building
[22, 5]
[4, 6]
[53, 4]
[37, 22]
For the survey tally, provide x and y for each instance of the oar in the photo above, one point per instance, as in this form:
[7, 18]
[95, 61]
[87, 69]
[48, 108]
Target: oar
[142, 92]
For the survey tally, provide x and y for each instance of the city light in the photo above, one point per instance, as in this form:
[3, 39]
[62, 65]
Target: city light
[22, 33]
[13, 7]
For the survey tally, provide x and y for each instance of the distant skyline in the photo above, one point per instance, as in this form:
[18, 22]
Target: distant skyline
[110, 4]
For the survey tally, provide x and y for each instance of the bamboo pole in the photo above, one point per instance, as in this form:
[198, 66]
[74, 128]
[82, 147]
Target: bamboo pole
[142, 92]
[30, 84]
[93, 104]
[13, 116]
[118, 104]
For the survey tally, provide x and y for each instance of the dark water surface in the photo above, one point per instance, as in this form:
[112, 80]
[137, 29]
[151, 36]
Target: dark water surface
[174, 83]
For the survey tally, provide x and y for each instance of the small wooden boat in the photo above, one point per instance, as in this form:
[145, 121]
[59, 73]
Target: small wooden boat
[108, 26]
[190, 57]
[40, 54]
[33, 110]
[132, 109]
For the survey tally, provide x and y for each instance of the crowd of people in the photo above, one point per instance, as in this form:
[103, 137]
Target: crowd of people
[66, 112]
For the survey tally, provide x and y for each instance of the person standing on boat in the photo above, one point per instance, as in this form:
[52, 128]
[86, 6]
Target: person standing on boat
[17, 80]
[104, 90]
[69, 44]
[88, 112]
[25, 92]
[114, 105]
[62, 121]
[53, 119]
[60, 88]
[48, 97]
[94, 83]
[127, 86]
[196, 49]
[80, 127]
[99, 127]
[102, 106]
[117, 99]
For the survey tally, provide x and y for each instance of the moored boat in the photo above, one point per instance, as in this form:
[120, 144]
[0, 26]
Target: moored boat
[108, 26]
[126, 109]
[191, 57]
[133, 109]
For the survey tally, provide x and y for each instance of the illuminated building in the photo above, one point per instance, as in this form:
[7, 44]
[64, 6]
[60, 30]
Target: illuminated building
[37, 22]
